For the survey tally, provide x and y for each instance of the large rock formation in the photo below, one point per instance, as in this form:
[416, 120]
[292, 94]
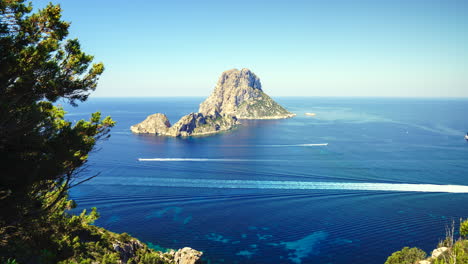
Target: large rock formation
[239, 93]
[193, 124]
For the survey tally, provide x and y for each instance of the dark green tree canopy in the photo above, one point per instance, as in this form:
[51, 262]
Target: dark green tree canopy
[41, 152]
[37, 63]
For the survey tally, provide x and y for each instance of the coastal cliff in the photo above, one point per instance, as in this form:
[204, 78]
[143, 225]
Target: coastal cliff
[237, 95]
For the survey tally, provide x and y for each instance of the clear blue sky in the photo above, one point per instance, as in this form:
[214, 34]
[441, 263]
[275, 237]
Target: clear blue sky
[297, 48]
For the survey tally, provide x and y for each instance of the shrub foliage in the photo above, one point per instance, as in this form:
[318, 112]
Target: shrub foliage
[406, 256]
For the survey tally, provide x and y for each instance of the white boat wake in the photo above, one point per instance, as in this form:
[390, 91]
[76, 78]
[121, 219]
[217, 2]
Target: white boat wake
[205, 160]
[233, 160]
[279, 146]
[296, 145]
[288, 185]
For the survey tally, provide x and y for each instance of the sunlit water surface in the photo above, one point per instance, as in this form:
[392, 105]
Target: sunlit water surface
[361, 179]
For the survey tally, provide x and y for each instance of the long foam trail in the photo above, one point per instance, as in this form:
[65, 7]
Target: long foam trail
[296, 145]
[289, 145]
[205, 160]
[289, 185]
[313, 145]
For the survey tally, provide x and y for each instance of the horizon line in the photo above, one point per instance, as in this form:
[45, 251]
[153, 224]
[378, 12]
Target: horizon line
[295, 96]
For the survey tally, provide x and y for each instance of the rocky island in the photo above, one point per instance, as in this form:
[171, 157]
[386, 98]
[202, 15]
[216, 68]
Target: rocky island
[193, 124]
[237, 95]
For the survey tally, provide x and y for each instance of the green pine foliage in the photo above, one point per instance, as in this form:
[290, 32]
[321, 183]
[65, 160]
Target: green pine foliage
[43, 154]
[148, 258]
[61, 237]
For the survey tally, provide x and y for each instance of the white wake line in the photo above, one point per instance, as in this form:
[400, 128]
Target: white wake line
[295, 145]
[290, 145]
[289, 185]
[233, 160]
[205, 160]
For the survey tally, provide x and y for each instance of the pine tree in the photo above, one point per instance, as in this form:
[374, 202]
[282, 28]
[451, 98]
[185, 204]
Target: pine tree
[41, 154]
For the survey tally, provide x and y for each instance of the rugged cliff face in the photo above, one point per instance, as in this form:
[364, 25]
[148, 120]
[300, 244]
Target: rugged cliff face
[153, 124]
[193, 124]
[199, 124]
[239, 93]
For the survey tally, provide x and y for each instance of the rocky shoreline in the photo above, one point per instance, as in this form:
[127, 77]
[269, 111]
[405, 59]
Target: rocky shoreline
[129, 250]
[267, 117]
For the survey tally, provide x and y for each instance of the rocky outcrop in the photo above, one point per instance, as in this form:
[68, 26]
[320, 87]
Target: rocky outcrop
[239, 93]
[193, 124]
[153, 124]
[438, 251]
[187, 255]
[128, 251]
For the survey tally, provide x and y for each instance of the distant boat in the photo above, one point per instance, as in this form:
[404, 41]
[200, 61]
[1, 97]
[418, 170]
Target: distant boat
[466, 136]
[310, 114]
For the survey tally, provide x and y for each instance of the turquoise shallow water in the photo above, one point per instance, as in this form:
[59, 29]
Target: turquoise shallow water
[361, 179]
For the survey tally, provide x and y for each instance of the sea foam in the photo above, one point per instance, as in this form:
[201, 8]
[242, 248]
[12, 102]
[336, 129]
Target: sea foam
[202, 160]
[289, 185]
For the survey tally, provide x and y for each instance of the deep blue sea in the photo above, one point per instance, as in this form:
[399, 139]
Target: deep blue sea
[264, 193]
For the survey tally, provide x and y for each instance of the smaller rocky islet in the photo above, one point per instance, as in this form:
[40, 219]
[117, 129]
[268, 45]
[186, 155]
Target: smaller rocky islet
[237, 95]
[188, 125]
